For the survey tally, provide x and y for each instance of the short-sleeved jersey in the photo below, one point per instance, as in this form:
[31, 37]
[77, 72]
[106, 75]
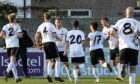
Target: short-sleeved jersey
[75, 38]
[113, 41]
[62, 32]
[46, 29]
[11, 31]
[127, 29]
[96, 40]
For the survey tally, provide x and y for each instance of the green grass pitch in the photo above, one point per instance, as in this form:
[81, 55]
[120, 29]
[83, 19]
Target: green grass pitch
[107, 80]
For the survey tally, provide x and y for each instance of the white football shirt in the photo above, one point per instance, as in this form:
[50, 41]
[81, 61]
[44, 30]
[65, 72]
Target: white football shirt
[113, 41]
[11, 31]
[62, 32]
[127, 29]
[96, 40]
[46, 29]
[75, 38]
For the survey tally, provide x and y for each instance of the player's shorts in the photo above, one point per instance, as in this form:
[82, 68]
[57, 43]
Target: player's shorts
[129, 56]
[78, 60]
[12, 51]
[96, 55]
[114, 53]
[62, 57]
[50, 50]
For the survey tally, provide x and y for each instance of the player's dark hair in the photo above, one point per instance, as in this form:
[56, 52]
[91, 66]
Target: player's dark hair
[94, 25]
[58, 19]
[11, 17]
[106, 19]
[47, 16]
[76, 23]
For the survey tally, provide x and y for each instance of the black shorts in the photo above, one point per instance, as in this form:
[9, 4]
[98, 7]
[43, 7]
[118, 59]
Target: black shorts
[129, 56]
[114, 53]
[62, 57]
[96, 55]
[78, 60]
[50, 50]
[12, 51]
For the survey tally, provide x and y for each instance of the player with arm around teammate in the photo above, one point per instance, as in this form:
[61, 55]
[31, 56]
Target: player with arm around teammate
[127, 30]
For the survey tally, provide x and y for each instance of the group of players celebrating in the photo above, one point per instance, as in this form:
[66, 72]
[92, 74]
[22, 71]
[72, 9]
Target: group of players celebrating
[57, 41]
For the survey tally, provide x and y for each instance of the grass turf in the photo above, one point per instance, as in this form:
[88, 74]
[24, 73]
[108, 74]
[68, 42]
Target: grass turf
[107, 80]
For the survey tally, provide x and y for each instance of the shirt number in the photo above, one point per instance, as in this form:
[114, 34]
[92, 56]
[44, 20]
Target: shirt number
[97, 39]
[127, 29]
[77, 39]
[45, 30]
[11, 31]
